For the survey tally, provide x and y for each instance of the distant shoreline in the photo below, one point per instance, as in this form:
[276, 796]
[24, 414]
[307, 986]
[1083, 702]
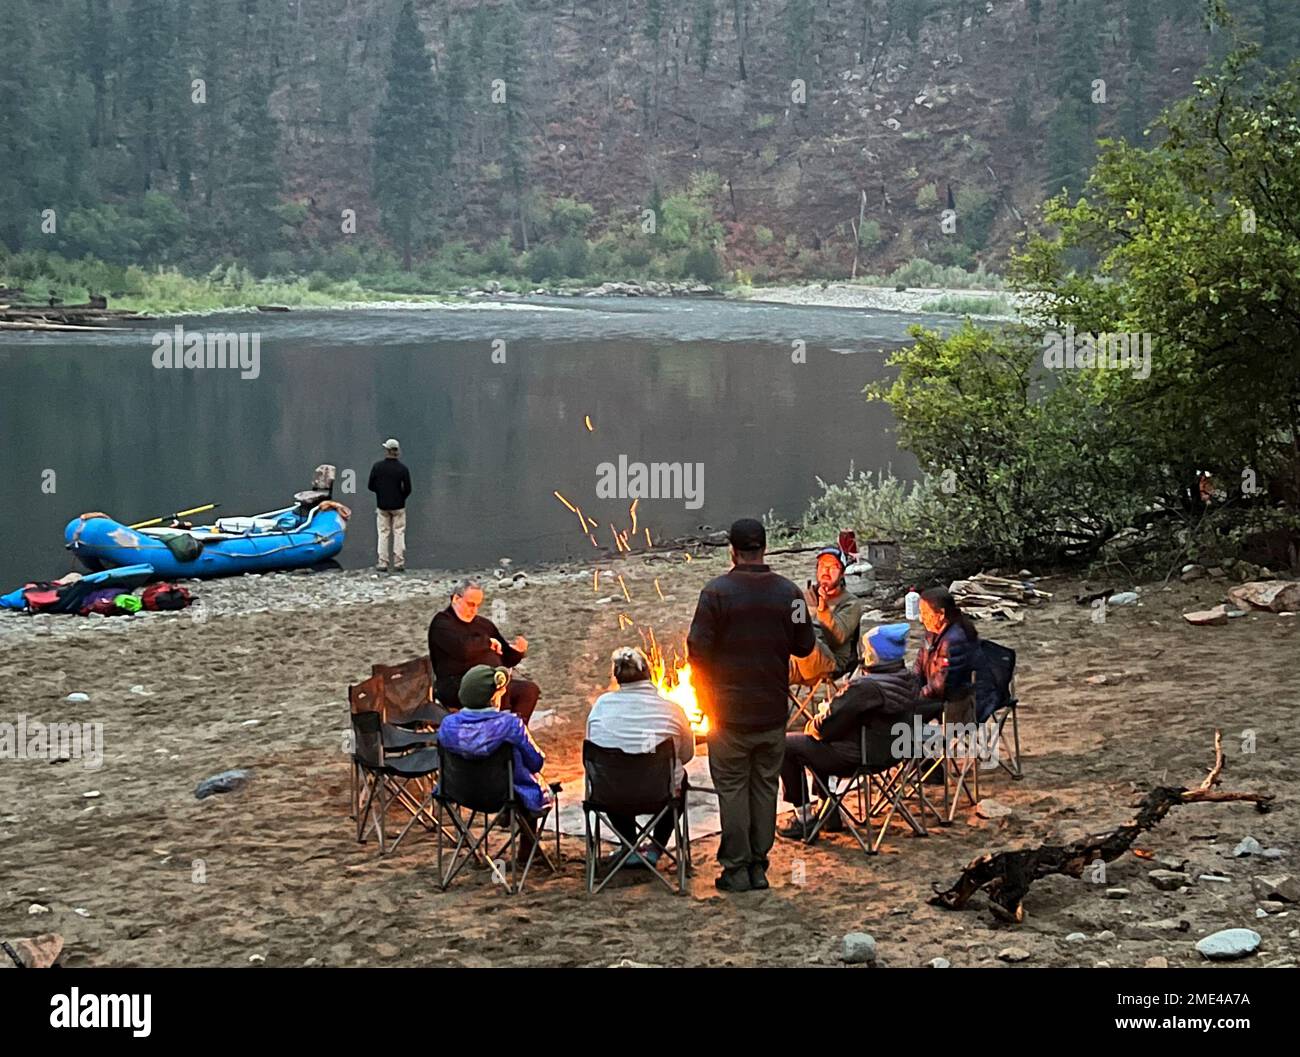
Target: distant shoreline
[914, 300]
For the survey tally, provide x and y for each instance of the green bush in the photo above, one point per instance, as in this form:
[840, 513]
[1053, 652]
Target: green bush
[763, 235]
[573, 256]
[702, 263]
[927, 198]
[544, 263]
[869, 234]
[969, 306]
[1027, 472]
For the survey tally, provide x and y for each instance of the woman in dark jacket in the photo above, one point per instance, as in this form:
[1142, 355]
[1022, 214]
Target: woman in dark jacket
[946, 664]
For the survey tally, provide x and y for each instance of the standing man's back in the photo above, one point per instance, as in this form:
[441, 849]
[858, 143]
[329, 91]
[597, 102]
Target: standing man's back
[390, 480]
[748, 623]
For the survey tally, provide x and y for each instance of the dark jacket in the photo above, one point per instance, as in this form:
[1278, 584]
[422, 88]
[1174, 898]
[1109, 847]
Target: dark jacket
[878, 701]
[946, 663]
[887, 692]
[391, 483]
[479, 732]
[748, 623]
[455, 647]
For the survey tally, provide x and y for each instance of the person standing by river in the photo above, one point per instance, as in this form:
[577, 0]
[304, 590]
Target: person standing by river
[390, 480]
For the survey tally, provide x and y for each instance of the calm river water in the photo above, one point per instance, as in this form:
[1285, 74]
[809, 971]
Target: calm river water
[488, 401]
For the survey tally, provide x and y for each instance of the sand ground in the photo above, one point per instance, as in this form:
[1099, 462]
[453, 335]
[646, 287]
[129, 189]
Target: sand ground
[145, 874]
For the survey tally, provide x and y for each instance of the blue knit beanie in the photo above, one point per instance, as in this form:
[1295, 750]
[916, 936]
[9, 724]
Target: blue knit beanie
[889, 641]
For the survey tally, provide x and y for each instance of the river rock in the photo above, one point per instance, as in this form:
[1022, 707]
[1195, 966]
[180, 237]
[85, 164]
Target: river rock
[992, 809]
[77, 698]
[1161, 926]
[1229, 945]
[1167, 880]
[225, 782]
[1275, 596]
[1076, 937]
[1123, 598]
[1156, 962]
[1280, 888]
[859, 949]
[1116, 893]
[1207, 617]
[1248, 846]
[1014, 954]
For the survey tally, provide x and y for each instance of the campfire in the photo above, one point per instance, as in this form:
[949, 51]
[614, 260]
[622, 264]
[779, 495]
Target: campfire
[671, 673]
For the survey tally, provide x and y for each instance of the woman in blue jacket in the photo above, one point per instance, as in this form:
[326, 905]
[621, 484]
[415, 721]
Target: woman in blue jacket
[949, 655]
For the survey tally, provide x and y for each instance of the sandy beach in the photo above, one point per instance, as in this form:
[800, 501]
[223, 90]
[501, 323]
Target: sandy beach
[142, 873]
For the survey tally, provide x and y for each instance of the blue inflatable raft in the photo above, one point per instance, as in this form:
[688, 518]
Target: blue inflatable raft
[292, 538]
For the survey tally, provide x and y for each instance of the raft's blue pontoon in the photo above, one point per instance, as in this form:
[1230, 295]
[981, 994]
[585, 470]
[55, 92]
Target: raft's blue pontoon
[279, 539]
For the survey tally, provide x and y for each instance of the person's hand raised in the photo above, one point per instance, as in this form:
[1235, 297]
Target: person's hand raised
[521, 644]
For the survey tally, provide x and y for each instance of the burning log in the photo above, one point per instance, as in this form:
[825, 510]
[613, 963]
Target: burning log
[1006, 876]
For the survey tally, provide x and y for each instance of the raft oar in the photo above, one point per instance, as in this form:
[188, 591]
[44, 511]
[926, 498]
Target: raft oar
[175, 516]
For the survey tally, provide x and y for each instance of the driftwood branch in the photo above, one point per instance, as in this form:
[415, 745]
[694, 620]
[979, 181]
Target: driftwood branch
[1006, 876]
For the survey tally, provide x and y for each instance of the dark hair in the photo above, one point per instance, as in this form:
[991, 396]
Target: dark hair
[941, 598]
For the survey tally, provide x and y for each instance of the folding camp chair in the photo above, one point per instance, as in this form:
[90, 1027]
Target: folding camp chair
[485, 785]
[996, 702]
[408, 693]
[633, 784]
[975, 732]
[961, 754]
[385, 779]
[368, 696]
[803, 703]
[880, 784]
[803, 699]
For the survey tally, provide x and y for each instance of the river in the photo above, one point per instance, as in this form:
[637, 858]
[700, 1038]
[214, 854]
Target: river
[489, 401]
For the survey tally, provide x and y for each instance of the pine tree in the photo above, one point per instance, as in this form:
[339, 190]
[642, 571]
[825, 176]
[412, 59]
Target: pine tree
[406, 137]
[514, 140]
[798, 19]
[702, 30]
[141, 90]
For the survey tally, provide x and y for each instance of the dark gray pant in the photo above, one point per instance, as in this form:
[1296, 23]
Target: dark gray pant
[745, 766]
[825, 758]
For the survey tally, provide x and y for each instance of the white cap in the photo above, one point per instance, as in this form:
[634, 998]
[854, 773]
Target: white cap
[391, 444]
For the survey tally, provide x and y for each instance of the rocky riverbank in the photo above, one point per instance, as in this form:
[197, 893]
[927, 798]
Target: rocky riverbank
[917, 300]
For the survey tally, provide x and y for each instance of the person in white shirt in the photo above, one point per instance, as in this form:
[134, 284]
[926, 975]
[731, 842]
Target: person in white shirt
[635, 718]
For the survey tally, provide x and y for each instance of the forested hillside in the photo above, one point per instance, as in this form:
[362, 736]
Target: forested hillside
[770, 138]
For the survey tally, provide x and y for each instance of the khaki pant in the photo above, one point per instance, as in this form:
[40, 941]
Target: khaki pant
[745, 766]
[810, 670]
[396, 521]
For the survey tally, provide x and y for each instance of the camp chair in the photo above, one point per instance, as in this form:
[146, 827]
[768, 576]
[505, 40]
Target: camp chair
[879, 783]
[804, 699]
[408, 693]
[368, 696]
[983, 716]
[385, 778]
[962, 753]
[803, 703]
[996, 702]
[486, 786]
[633, 784]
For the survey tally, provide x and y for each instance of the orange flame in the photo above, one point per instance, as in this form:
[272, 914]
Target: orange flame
[671, 673]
